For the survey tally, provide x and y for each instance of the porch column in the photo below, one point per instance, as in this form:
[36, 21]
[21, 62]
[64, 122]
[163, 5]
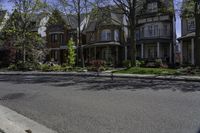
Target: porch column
[117, 55]
[89, 56]
[158, 49]
[95, 53]
[192, 47]
[125, 52]
[170, 52]
[181, 52]
[142, 50]
[107, 52]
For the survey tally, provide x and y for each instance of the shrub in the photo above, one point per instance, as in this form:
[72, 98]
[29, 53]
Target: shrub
[45, 67]
[97, 64]
[27, 66]
[158, 63]
[55, 68]
[12, 67]
[71, 53]
[67, 68]
[126, 63]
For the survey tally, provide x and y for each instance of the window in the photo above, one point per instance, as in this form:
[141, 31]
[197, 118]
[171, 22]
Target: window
[61, 38]
[137, 35]
[92, 36]
[155, 30]
[152, 7]
[116, 35]
[142, 31]
[150, 30]
[165, 29]
[106, 35]
[191, 24]
[54, 38]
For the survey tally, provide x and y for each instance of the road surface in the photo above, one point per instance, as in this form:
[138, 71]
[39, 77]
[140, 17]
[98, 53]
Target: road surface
[70, 104]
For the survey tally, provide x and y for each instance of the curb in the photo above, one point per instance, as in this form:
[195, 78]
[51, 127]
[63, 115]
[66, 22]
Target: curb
[110, 75]
[12, 122]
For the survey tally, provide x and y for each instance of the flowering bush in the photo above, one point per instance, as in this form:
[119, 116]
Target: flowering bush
[97, 64]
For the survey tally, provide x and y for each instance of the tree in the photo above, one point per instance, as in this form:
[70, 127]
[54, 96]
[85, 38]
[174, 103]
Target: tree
[76, 7]
[130, 9]
[19, 28]
[71, 53]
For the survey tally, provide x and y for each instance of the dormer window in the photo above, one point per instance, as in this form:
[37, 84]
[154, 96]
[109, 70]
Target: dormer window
[106, 35]
[152, 7]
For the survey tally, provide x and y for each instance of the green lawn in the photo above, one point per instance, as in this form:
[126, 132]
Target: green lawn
[155, 71]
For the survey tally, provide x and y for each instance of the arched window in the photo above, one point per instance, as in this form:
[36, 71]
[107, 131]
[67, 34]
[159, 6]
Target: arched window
[106, 35]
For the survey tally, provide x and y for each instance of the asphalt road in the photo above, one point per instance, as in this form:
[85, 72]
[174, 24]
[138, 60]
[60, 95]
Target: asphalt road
[100, 105]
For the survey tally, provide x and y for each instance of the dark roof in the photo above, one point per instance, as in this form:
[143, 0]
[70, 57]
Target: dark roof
[106, 16]
[72, 20]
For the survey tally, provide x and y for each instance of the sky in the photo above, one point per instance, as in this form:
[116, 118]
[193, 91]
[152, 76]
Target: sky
[8, 6]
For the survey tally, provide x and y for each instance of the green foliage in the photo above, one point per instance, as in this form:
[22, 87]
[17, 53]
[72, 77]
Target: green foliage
[56, 18]
[18, 30]
[155, 71]
[188, 9]
[55, 68]
[126, 63]
[188, 71]
[140, 63]
[21, 66]
[158, 63]
[71, 53]
[97, 65]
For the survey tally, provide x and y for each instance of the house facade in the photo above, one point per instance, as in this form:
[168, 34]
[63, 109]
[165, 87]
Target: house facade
[58, 35]
[156, 35]
[105, 37]
[187, 39]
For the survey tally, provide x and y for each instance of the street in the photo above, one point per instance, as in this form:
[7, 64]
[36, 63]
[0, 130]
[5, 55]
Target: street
[80, 104]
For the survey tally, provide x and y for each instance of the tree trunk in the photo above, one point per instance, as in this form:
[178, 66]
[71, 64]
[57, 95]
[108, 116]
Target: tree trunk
[79, 34]
[24, 53]
[133, 46]
[197, 37]
[132, 25]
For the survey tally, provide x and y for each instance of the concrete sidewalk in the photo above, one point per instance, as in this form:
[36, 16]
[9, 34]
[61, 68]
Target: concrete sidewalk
[12, 122]
[108, 74]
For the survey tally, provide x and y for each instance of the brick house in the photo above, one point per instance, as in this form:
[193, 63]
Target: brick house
[58, 35]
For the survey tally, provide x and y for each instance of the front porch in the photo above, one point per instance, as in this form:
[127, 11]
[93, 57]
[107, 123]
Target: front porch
[152, 51]
[58, 56]
[187, 51]
[109, 53]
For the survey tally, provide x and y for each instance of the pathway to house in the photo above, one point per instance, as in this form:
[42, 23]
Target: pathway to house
[81, 104]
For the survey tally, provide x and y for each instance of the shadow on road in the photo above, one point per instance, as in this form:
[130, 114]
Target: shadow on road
[100, 83]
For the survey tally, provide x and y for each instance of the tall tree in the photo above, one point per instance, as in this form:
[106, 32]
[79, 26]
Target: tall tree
[78, 8]
[20, 27]
[130, 9]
